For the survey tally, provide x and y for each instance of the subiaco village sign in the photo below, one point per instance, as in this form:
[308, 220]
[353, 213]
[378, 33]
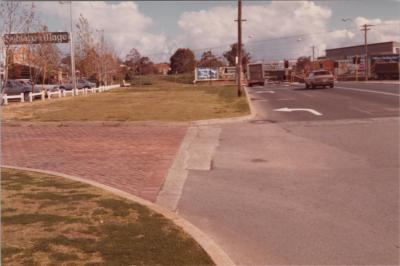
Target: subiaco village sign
[36, 38]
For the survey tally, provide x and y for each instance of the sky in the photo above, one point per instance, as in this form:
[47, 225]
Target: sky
[274, 30]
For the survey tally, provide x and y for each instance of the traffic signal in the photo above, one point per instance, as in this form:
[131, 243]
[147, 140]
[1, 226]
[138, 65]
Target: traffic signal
[286, 63]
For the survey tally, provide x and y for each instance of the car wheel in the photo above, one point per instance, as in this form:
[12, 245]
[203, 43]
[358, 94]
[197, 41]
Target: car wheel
[331, 86]
[307, 86]
[312, 86]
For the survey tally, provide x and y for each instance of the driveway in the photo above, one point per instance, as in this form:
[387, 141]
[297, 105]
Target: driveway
[133, 157]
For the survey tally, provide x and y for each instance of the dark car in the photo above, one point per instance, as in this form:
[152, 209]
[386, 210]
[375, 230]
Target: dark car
[16, 87]
[80, 84]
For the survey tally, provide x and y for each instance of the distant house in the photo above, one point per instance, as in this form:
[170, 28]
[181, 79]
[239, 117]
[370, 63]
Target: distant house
[162, 68]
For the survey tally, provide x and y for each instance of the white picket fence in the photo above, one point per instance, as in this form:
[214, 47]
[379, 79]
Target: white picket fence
[51, 93]
[32, 95]
[59, 94]
[8, 97]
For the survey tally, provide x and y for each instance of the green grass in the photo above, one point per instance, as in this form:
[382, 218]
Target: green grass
[49, 220]
[162, 100]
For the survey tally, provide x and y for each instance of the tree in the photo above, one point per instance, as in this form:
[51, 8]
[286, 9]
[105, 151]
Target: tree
[87, 53]
[132, 57]
[302, 62]
[15, 17]
[232, 53]
[208, 59]
[45, 58]
[145, 66]
[182, 61]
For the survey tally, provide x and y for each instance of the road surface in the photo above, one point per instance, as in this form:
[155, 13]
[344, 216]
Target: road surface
[296, 188]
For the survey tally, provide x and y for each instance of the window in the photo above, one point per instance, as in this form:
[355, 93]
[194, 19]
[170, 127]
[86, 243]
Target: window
[397, 50]
[321, 73]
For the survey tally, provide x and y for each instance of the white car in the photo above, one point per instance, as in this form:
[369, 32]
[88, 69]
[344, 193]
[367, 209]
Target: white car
[319, 78]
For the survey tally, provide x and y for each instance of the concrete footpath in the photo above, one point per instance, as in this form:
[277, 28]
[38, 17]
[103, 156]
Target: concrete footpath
[296, 193]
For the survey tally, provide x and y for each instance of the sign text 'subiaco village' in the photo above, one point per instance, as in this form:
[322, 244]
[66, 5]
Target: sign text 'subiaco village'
[36, 38]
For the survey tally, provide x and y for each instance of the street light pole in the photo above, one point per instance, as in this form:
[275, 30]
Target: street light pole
[102, 71]
[73, 74]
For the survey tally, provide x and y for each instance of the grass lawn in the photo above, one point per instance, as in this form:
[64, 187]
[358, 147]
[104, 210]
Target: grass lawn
[162, 99]
[48, 220]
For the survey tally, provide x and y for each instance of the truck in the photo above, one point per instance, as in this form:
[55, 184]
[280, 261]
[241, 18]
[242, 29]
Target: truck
[255, 74]
[385, 66]
[387, 70]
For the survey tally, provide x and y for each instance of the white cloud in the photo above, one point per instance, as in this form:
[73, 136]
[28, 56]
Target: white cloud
[124, 26]
[273, 21]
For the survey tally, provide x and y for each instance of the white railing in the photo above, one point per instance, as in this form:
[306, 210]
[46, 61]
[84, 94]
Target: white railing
[7, 97]
[58, 93]
[65, 92]
[80, 91]
[33, 94]
[50, 93]
[92, 90]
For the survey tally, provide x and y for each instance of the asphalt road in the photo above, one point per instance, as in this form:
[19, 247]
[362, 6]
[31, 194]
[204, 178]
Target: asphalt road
[347, 100]
[295, 188]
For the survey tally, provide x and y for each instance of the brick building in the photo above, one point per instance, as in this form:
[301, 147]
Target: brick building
[162, 68]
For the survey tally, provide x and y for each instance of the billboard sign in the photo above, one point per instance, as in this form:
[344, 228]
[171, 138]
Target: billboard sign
[274, 66]
[227, 73]
[204, 73]
[36, 38]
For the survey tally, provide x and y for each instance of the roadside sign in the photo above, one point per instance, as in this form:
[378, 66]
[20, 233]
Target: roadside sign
[36, 38]
[274, 66]
[206, 73]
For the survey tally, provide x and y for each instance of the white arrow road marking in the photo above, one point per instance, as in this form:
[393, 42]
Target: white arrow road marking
[285, 109]
[265, 92]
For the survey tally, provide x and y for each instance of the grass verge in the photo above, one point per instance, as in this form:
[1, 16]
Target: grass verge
[48, 220]
[163, 100]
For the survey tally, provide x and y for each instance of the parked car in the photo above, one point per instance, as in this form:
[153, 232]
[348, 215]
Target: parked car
[16, 87]
[80, 84]
[28, 82]
[319, 78]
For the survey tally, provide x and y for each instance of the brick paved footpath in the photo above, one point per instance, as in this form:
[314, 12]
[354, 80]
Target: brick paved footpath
[130, 156]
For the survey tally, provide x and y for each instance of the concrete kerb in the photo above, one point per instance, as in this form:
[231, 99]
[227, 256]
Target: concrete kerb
[213, 250]
[252, 109]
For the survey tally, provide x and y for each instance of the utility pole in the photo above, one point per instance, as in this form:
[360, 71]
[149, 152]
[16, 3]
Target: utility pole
[239, 50]
[365, 28]
[313, 52]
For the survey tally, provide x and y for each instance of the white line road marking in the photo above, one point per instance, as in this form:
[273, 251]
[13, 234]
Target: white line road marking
[308, 95]
[378, 92]
[285, 109]
[285, 99]
[265, 92]
[361, 110]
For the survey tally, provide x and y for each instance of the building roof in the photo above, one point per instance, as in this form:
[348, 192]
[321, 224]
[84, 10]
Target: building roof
[362, 45]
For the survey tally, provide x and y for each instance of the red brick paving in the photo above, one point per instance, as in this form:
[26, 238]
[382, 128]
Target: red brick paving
[131, 157]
